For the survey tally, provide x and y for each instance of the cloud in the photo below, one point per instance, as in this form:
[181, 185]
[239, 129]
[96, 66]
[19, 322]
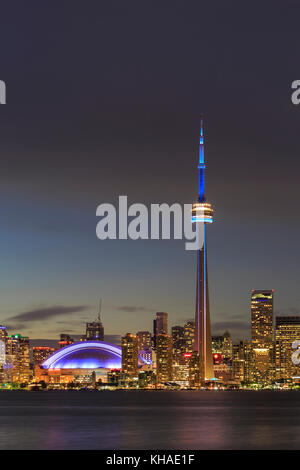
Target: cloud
[132, 309]
[46, 313]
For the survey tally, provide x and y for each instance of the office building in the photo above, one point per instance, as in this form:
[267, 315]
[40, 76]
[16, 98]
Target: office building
[130, 355]
[287, 330]
[164, 358]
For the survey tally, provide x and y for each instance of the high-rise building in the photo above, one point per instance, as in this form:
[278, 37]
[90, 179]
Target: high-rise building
[181, 369]
[161, 323]
[195, 370]
[147, 378]
[95, 329]
[3, 340]
[262, 334]
[41, 353]
[189, 335]
[287, 331]
[164, 358]
[202, 214]
[65, 340]
[243, 363]
[179, 346]
[147, 355]
[222, 345]
[144, 340]
[18, 353]
[262, 318]
[130, 355]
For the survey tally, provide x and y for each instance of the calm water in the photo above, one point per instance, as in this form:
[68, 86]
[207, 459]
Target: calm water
[149, 420]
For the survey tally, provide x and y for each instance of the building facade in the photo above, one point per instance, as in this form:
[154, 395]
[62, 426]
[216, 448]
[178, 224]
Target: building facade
[130, 355]
[164, 358]
[262, 334]
[287, 331]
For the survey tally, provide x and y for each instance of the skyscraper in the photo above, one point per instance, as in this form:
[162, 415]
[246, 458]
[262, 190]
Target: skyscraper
[202, 215]
[41, 353]
[223, 345]
[262, 318]
[19, 354]
[64, 340]
[144, 340]
[95, 329]
[287, 331]
[160, 325]
[3, 340]
[130, 355]
[178, 340]
[164, 358]
[262, 334]
[145, 346]
[189, 335]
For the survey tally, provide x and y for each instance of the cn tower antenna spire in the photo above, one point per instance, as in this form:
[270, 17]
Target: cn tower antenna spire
[201, 165]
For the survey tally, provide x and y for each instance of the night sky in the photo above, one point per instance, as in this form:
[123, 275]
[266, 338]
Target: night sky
[104, 99]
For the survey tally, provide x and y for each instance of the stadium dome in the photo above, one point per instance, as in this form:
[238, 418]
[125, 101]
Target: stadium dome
[87, 355]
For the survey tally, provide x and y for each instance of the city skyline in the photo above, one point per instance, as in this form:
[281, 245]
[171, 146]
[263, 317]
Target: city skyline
[145, 107]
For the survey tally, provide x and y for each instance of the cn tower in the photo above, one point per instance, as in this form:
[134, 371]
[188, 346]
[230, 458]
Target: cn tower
[202, 214]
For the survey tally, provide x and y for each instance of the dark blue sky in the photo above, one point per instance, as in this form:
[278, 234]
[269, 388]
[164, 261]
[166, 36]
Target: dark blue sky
[105, 99]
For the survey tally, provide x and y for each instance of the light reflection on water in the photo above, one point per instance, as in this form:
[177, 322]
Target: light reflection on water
[149, 420]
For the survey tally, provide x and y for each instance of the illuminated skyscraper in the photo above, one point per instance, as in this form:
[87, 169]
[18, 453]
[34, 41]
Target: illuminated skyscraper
[189, 335]
[130, 355]
[262, 318]
[19, 354]
[202, 215]
[195, 370]
[95, 329]
[3, 340]
[65, 340]
[41, 353]
[243, 365]
[262, 334]
[287, 331]
[160, 325]
[164, 358]
[222, 345]
[144, 340]
[178, 341]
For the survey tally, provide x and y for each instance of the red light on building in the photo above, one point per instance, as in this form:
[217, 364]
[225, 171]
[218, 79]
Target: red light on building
[218, 358]
[187, 355]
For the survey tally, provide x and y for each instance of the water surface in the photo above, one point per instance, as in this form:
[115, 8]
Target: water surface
[150, 420]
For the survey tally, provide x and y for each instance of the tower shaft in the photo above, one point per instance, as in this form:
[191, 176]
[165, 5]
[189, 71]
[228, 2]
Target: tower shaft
[202, 214]
[202, 341]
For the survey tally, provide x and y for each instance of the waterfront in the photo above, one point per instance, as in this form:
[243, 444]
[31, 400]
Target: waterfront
[149, 420]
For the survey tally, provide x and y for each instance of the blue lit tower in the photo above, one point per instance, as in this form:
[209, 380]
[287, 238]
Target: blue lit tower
[202, 215]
